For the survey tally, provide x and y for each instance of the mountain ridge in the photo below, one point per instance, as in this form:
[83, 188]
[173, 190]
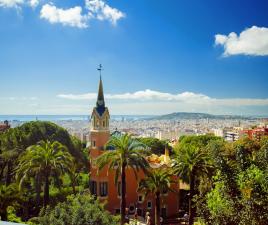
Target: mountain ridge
[190, 115]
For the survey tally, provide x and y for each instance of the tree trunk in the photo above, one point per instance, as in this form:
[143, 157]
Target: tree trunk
[46, 191]
[157, 208]
[3, 166]
[123, 193]
[3, 215]
[38, 190]
[73, 186]
[192, 192]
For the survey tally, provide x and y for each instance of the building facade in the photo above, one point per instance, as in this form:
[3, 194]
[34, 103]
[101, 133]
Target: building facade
[102, 182]
[4, 126]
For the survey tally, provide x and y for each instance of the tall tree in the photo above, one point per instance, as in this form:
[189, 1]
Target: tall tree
[126, 152]
[44, 160]
[156, 182]
[189, 163]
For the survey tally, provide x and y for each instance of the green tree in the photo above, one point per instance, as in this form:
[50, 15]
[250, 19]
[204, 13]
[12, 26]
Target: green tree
[156, 146]
[126, 152]
[9, 196]
[81, 209]
[191, 162]
[156, 182]
[42, 161]
[239, 193]
[15, 141]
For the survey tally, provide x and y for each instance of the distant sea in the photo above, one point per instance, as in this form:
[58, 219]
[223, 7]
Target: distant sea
[25, 118]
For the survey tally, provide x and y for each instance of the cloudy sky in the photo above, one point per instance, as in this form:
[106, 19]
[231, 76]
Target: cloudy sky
[158, 56]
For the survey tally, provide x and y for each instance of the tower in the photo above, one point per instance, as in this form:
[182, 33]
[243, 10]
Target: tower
[100, 118]
[99, 136]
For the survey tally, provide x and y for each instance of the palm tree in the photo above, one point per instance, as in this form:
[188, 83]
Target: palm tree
[157, 181]
[189, 163]
[42, 161]
[126, 152]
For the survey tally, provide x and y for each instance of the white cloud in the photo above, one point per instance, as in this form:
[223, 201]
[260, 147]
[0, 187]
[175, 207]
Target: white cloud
[12, 98]
[88, 96]
[11, 3]
[251, 41]
[33, 3]
[70, 17]
[100, 10]
[18, 3]
[185, 97]
[74, 17]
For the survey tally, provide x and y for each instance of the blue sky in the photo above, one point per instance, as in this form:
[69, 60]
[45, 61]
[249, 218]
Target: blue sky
[159, 56]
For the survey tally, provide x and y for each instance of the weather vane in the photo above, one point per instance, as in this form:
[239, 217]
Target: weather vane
[100, 69]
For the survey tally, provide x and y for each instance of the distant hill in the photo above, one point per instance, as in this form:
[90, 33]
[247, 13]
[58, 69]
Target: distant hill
[189, 115]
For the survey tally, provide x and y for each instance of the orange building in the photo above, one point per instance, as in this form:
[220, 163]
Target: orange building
[102, 182]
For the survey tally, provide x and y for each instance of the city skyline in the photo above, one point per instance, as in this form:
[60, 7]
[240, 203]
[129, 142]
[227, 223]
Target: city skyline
[158, 57]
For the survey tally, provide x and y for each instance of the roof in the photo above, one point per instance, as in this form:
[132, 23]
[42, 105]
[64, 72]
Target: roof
[100, 105]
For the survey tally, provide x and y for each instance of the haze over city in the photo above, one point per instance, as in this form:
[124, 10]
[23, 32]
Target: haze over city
[158, 56]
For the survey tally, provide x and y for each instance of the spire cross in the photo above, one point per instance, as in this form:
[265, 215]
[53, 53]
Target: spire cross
[100, 69]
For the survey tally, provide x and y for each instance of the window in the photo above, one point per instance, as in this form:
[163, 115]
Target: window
[103, 123]
[103, 189]
[94, 143]
[149, 204]
[119, 188]
[93, 187]
[140, 198]
[117, 211]
[164, 212]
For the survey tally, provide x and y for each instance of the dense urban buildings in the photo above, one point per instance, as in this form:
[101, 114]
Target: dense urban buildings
[4, 126]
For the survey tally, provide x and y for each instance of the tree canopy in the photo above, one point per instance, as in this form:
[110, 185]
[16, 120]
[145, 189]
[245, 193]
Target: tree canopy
[81, 209]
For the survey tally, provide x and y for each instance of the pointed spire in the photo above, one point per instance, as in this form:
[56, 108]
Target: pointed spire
[100, 99]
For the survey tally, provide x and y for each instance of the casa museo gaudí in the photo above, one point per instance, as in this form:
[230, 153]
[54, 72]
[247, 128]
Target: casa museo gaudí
[102, 181]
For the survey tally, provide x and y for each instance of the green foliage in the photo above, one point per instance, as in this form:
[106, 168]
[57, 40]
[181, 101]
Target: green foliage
[156, 181]
[11, 215]
[189, 161]
[195, 141]
[125, 152]
[77, 210]
[156, 146]
[15, 141]
[9, 196]
[43, 161]
[193, 164]
[220, 204]
[239, 195]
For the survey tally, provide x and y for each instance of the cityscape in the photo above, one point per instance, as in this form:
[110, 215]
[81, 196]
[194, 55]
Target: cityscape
[229, 129]
[137, 112]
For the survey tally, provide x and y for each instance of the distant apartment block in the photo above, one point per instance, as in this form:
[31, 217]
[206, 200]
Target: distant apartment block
[4, 126]
[256, 133]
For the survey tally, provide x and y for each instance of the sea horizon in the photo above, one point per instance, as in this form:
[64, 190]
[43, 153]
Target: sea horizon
[79, 117]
